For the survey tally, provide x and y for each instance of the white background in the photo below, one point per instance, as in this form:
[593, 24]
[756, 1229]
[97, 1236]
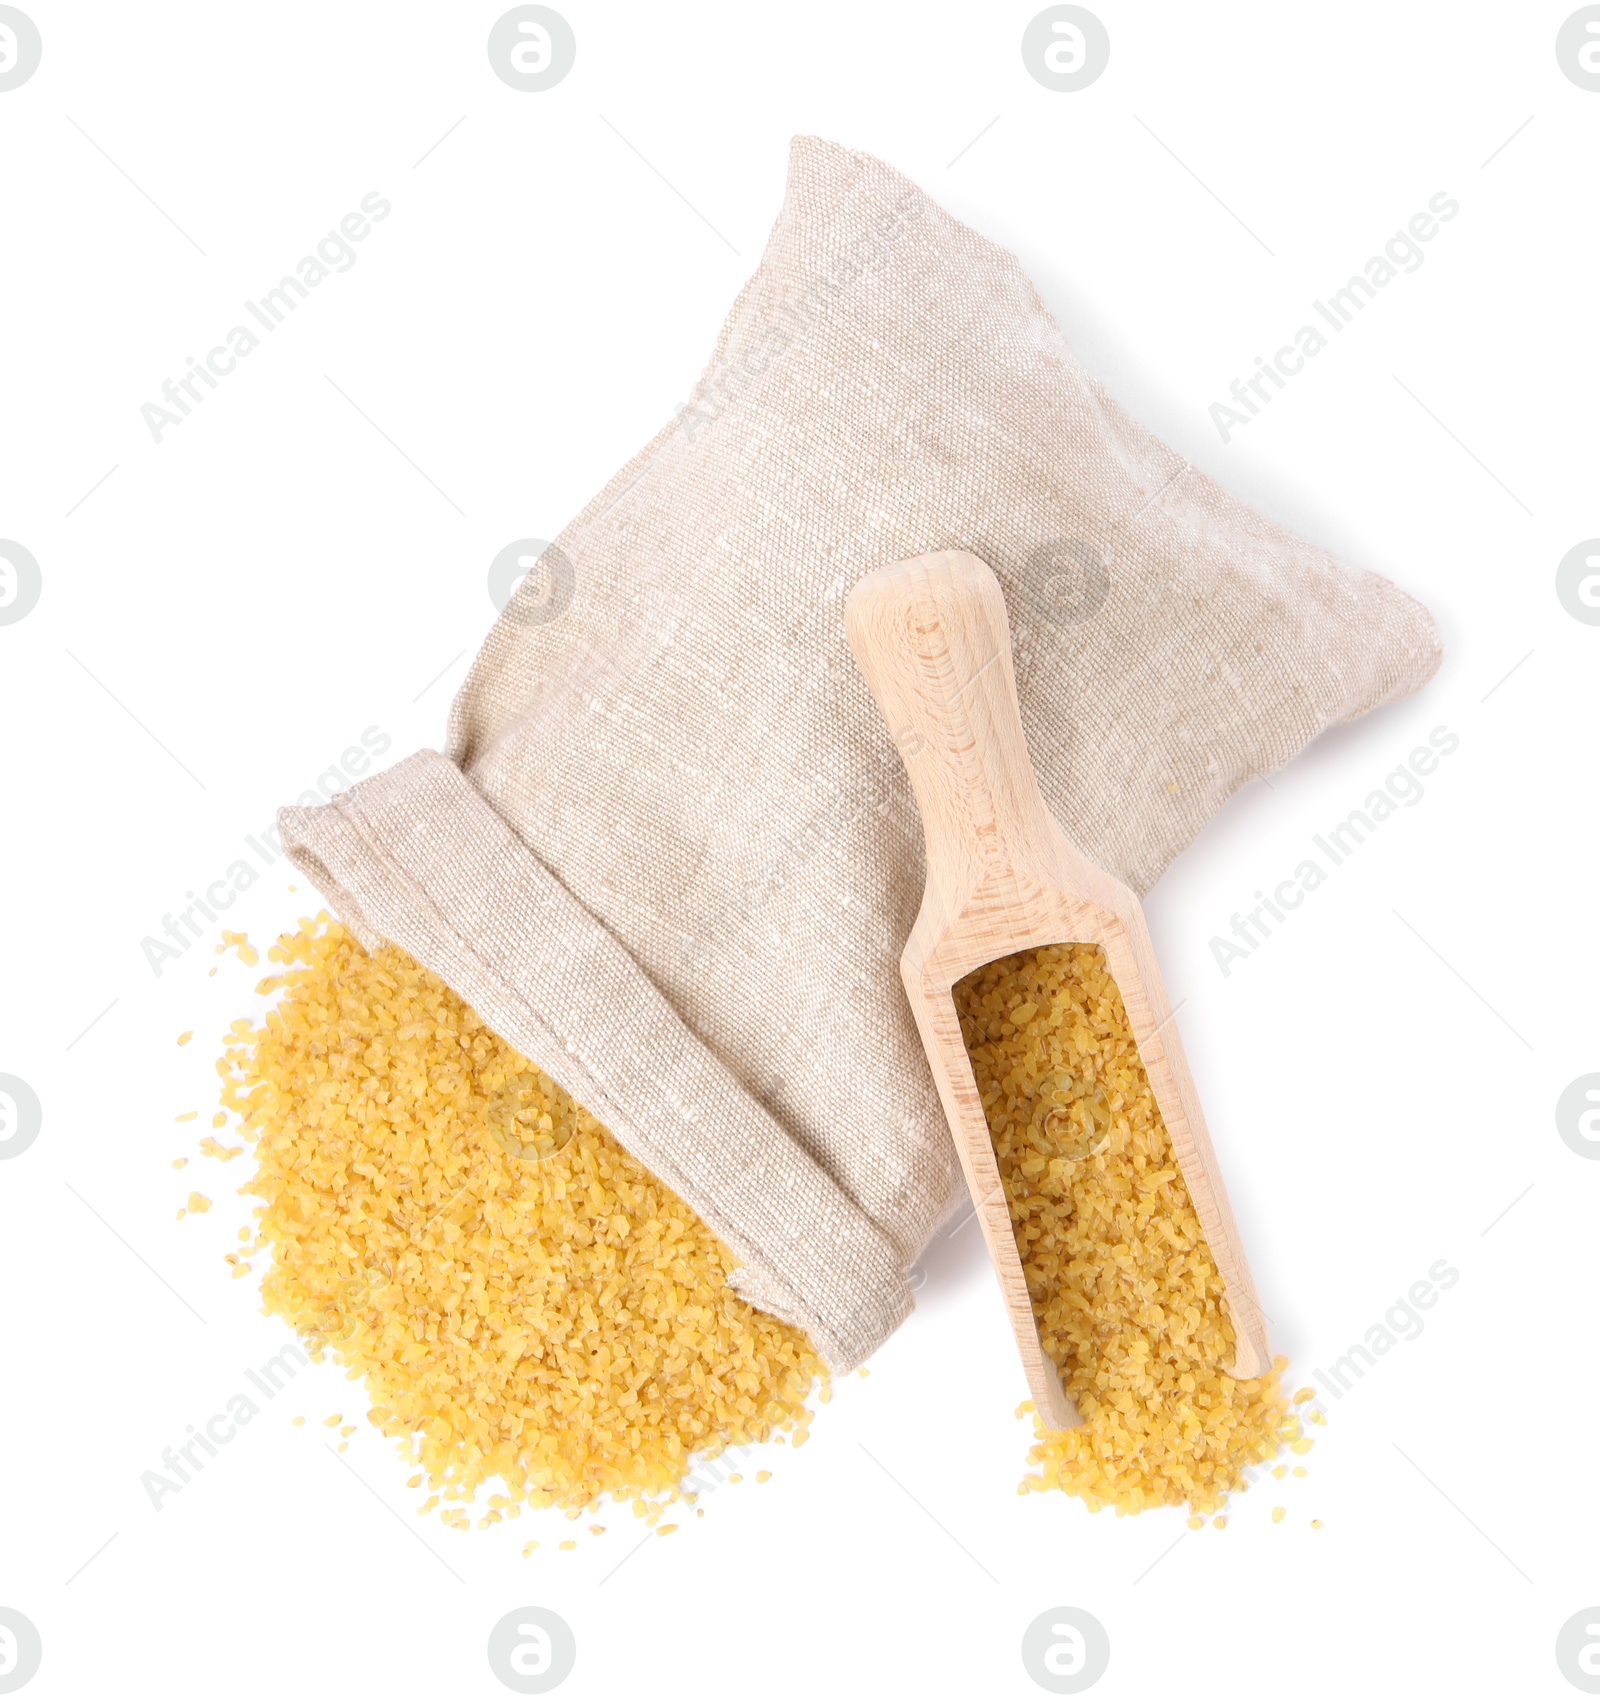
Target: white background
[228, 610]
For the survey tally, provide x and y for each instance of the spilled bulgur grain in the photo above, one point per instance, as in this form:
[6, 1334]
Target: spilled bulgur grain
[526, 1304]
[1127, 1295]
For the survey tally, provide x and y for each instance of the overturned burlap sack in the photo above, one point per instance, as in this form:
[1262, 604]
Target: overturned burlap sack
[670, 852]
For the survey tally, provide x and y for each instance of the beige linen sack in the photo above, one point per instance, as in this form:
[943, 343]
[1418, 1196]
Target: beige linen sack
[670, 852]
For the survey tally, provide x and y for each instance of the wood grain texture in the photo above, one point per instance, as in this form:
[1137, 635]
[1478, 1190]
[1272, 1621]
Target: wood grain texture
[932, 639]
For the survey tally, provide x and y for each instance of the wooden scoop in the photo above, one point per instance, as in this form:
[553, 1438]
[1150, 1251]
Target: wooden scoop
[931, 636]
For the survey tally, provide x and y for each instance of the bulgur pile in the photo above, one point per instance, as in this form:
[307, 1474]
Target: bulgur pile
[523, 1300]
[1127, 1295]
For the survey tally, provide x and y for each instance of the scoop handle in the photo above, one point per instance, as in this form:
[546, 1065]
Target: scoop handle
[933, 641]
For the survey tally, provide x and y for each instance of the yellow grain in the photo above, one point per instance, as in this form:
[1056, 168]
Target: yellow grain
[525, 1303]
[1279, 1513]
[1125, 1289]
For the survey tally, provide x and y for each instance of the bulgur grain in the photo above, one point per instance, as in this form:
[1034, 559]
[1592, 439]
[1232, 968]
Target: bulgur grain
[1126, 1292]
[526, 1303]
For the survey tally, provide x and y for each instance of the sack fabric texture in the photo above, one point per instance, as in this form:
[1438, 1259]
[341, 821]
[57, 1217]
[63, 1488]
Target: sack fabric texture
[669, 851]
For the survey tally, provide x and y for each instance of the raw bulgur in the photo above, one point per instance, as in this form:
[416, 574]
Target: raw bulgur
[524, 1301]
[1126, 1293]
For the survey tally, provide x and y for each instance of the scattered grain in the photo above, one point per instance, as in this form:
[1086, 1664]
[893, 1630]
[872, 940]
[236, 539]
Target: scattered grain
[525, 1303]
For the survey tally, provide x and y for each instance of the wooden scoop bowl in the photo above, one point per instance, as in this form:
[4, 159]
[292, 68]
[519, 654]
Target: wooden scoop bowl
[932, 639]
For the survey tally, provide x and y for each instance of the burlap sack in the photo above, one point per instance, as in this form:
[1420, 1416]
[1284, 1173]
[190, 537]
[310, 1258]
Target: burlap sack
[670, 852]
